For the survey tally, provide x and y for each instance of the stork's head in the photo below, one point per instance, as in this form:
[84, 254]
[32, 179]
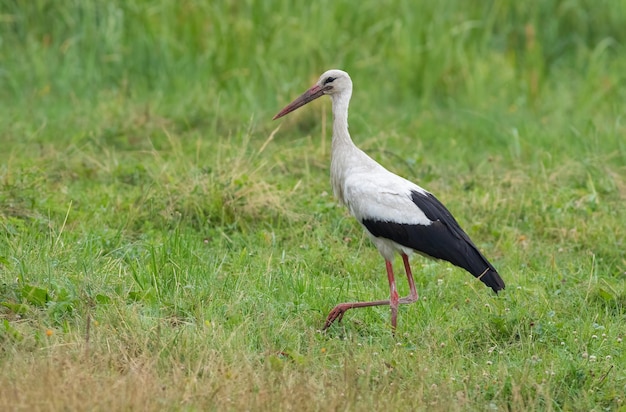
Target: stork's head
[333, 83]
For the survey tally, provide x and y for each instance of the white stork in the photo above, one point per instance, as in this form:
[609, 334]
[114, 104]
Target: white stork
[398, 215]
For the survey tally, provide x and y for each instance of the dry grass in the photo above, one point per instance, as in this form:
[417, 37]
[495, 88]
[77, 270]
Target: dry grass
[74, 378]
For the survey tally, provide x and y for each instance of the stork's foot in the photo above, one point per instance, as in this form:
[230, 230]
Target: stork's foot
[408, 299]
[337, 314]
[338, 311]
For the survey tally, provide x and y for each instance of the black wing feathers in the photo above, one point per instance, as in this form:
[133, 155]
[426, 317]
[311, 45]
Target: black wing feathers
[443, 239]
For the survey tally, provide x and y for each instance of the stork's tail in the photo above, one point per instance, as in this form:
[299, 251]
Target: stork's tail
[490, 277]
[467, 256]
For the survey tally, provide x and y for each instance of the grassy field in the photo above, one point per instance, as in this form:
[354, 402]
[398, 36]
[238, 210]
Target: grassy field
[165, 246]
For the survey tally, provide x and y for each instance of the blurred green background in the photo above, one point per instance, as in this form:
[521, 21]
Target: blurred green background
[249, 54]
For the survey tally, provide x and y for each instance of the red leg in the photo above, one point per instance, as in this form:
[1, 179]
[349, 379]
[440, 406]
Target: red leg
[409, 275]
[393, 296]
[339, 310]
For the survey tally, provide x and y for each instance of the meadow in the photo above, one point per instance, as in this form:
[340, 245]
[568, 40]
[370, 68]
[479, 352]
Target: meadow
[164, 245]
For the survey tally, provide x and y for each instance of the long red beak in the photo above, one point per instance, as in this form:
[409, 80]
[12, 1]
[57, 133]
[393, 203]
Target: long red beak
[306, 97]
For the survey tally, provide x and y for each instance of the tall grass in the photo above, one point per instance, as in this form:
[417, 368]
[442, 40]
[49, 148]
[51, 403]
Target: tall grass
[436, 51]
[164, 246]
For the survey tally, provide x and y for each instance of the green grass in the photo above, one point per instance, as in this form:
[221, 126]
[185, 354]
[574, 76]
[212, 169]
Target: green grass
[164, 247]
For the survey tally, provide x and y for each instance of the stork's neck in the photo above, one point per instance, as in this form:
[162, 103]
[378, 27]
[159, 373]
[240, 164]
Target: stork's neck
[344, 152]
[341, 136]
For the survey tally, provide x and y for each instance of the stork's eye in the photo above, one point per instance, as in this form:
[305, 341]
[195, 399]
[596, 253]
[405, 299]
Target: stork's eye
[329, 80]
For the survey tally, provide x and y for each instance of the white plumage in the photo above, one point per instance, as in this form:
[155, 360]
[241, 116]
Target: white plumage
[398, 215]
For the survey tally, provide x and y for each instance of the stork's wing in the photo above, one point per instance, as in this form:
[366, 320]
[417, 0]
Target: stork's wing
[385, 197]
